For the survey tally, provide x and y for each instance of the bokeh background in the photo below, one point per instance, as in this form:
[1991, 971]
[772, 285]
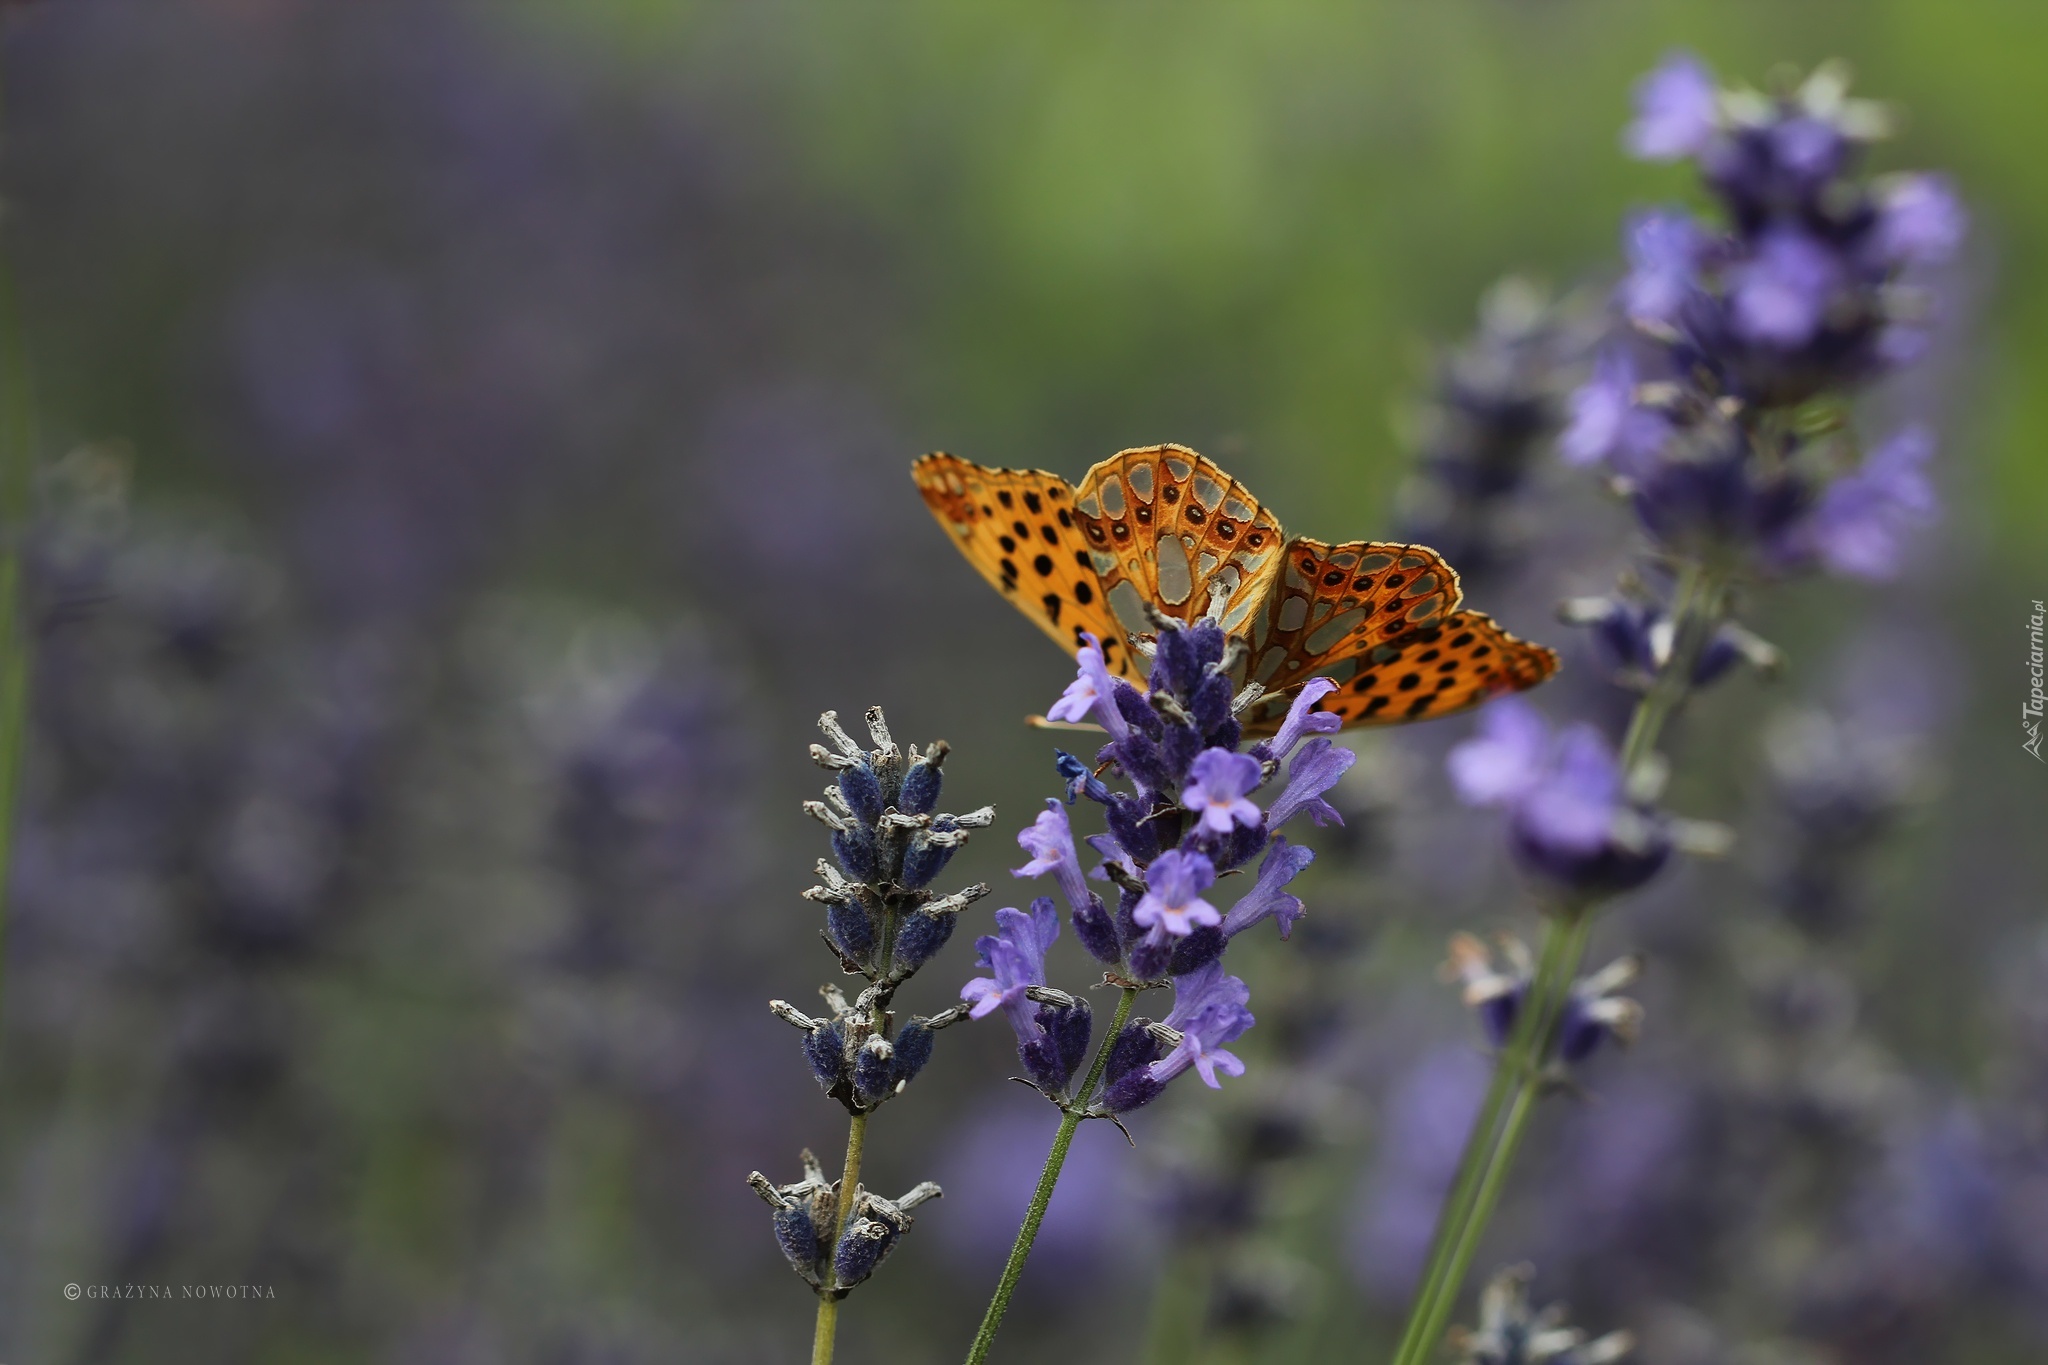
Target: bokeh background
[475, 442]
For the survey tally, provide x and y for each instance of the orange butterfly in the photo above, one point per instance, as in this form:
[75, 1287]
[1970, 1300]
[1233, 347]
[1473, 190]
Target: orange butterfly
[1162, 527]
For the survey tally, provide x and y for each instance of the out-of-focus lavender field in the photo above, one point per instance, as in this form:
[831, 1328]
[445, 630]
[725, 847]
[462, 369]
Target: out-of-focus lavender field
[474, 446]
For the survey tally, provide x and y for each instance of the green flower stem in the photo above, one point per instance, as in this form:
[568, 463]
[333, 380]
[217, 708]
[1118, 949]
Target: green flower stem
[824, 1339]
[1013, 1269]
[16, 467]
[1699, 604]
[1479, 1147]
[1525, 1065]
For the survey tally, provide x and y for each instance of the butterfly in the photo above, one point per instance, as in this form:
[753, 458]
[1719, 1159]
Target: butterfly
[1162, 527]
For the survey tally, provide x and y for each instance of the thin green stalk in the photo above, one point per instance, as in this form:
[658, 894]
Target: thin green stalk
[1546, 1006]
[1478, 1150]
[825, 1338]
[1013, 1269]
[16, 456]
[1490, 1152]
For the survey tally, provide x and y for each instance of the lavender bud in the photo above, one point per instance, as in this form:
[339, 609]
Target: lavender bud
[1127, 1081]
[929, 852]
[852, 932]
[920, 795]
[1097, 931]
[825, 1048]
[918, 938]
[1197, 950]
[1151, 956]
[874, 1071]
[855, 849]
[913, 1050]
[863, 792]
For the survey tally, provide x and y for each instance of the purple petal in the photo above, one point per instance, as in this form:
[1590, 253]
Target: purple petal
[1676, 110]
[1781, 294]
[1315, 770]
[1663, 249]
[1268, 897]
[1920, 221]
[1861, 525]
[1505, 759]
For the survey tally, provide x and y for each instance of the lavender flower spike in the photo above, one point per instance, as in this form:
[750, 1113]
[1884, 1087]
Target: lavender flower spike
[1015, 955]
[1218, 782]
[1505, 759]
[1677, 110]
[1173, 902]
[1208, 1011]
[1093, 691]
[1050, 841]
[1268, 898]
[1302, 721]
[1314, 771]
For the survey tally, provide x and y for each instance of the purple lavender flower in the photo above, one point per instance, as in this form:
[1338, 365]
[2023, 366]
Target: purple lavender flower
[1920, 221]
[1316, 768]
[1302, 721]
[1050, 841]
[1607, 426]
[1677, 110]
[1093, 692]
[1052, 1033]
[1861, 525]
[1592, 1011]
[1569, 822]
[1664, 248]
[1780, 296]
[1015, 957]
[1217, 790]
[1268, 898]
[1208, 1011]
[1172, 902]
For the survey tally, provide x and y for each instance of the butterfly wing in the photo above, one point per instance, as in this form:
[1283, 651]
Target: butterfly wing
[1018, 527]
[1333, 602]
[1453, 665]
[1168, 528]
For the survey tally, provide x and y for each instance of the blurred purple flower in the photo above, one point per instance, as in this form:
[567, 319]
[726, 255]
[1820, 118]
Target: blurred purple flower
[1569, 822]
[1607, 425]
[1780, 296]
[1677, 110]
[1664, 247]
[1920, 221]
[1860, 527]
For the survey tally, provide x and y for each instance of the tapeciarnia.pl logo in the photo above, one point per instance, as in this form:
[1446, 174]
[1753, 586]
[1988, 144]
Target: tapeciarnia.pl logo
[2030, 713]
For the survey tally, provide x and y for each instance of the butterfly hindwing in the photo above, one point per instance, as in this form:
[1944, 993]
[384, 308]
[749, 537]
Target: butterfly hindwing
[1450, 666]
[1017, 526]
[1169, 529]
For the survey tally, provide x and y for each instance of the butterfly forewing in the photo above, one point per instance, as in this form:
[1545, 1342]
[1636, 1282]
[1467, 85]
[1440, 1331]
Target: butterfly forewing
[1451, 666]
[1169, 529]
[1017, 526]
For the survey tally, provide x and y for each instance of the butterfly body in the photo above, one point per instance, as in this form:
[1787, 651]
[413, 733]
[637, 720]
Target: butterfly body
[1162, 528]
